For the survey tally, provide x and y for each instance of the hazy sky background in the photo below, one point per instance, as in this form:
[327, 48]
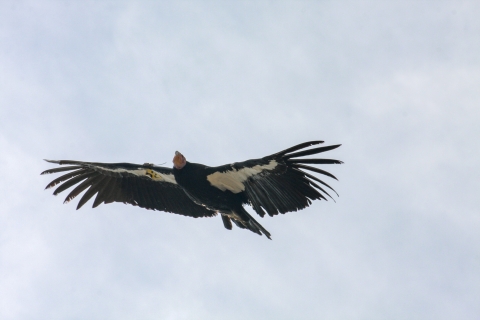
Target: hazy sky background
[397, 83]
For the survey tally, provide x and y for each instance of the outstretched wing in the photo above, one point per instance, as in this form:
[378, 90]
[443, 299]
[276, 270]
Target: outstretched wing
[147, 186]
[277, 183]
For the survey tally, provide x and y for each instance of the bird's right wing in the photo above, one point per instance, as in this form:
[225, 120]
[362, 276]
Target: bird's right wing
[147, 186]
[277, 183]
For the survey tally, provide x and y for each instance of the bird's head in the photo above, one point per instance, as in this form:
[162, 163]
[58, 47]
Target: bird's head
[179, 160]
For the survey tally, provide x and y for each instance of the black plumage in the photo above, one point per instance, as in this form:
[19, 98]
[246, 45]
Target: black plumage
[273, 184]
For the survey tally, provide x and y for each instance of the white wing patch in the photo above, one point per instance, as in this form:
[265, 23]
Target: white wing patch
[233, 180]
[154, 175]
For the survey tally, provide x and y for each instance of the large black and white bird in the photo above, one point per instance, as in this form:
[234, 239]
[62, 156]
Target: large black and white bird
[277, 183]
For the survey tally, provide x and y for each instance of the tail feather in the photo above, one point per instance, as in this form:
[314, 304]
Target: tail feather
[252, 224]
[243, 220]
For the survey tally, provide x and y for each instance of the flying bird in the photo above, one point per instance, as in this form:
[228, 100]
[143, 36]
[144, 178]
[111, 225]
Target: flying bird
[274, 184]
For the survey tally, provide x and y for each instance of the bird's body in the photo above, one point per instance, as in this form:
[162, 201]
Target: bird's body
[275, 184]
[200, 190]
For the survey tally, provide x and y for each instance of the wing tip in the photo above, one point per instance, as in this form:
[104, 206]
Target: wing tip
[48, 171]
[52, 161]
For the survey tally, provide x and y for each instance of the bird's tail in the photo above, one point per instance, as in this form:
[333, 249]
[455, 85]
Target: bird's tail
[248, 222]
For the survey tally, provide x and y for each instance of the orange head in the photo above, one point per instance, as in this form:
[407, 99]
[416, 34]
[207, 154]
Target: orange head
[179, 160]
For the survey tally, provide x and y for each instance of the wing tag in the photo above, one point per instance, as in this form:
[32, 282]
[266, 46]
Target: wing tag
[152, 174]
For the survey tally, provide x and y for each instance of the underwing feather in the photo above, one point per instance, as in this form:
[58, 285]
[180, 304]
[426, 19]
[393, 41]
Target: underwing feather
[315, 161]
[91, 191]
[295, 148]
[69, 183]
[64, 177]
[311, 151]
[56, 170]
[315, 170]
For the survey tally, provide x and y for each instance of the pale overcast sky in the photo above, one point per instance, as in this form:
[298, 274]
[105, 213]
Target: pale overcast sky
[397, 83]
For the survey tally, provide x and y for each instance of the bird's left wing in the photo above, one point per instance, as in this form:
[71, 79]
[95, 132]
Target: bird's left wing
[278, 183]
[147, 186]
